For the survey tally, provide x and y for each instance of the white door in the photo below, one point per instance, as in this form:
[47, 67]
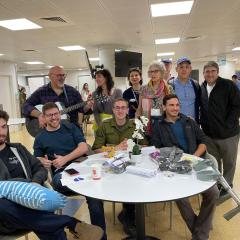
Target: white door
[6, 94]
[34, 83]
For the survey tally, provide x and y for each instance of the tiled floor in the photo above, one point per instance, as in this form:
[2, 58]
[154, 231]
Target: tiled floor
[157, 220]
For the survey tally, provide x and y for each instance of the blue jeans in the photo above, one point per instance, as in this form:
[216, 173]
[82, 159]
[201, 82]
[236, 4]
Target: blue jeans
[95, 206]
[46, 225]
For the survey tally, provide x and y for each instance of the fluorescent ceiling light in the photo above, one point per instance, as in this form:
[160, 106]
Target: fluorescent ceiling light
[168, 9]
[161, 59]
[236, 49]
[72, 48]
[94, 59]
[167, 40]
[165, 54]
[34, 63]
[1, 54]
[118, 50]
[19, 24]
[49, 66]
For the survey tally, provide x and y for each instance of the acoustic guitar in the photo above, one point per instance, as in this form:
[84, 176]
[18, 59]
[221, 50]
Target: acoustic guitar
[32, 123]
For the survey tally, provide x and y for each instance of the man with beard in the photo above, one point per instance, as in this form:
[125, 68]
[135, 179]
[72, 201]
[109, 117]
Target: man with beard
[176, 129]
[55, 91]
[16, 163]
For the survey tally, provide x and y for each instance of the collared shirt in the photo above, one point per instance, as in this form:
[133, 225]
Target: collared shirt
[110, 133]
[187, 97]
[46, 94]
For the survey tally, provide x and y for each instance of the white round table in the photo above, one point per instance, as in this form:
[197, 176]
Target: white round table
[129, 188]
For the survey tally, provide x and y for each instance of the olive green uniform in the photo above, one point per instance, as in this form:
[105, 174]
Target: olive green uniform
[110, 133]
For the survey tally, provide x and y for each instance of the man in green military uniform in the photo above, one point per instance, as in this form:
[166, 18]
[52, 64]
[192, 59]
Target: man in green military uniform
[115, 132]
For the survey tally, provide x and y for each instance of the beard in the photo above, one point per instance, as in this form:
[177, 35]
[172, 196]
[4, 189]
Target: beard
[2, 139]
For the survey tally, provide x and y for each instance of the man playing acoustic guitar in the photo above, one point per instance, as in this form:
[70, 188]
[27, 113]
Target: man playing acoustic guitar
[56, 91]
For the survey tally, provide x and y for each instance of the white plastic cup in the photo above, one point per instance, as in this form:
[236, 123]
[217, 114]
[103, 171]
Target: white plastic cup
[96, 172]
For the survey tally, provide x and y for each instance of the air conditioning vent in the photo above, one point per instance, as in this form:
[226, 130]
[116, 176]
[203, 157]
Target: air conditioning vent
[54, 19]
[29, 50]
[190, 38]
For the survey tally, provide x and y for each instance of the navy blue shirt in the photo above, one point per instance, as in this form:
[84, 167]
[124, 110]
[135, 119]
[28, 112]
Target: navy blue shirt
[61, 142]
[133, 99]
[177, 129]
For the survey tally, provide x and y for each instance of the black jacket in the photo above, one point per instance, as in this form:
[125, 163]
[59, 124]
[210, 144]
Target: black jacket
[163, 135]
[33, 168]
[220, 112]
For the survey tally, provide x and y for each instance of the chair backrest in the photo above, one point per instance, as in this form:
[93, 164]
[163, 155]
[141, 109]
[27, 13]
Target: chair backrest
[212, 158]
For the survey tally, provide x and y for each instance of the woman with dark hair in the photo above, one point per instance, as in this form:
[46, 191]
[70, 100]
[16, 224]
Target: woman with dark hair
[132, 93]
[104, 96]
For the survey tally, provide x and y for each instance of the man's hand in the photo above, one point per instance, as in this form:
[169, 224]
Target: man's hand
[59, 161]
[122, 146]
[45, 162]
[41, 121]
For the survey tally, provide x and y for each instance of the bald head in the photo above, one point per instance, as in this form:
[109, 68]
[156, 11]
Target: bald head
[57, 77]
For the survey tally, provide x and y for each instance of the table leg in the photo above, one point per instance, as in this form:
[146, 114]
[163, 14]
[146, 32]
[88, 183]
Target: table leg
[140, 224]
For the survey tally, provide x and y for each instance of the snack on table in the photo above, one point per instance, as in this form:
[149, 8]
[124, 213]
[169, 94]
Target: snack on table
[110, 151]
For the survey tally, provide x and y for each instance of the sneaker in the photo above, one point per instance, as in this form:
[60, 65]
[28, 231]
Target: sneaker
[129, 226]
[84, 231]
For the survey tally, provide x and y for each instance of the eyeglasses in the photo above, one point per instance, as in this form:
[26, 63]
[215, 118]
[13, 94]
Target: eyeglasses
[51, 115]
[120, 108]
[60, 75]
[153, 71]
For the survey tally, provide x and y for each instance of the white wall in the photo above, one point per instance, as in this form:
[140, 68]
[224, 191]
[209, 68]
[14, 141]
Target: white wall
[9, 69]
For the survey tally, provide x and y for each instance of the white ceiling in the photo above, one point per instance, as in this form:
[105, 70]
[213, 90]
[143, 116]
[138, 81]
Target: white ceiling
[118, 22]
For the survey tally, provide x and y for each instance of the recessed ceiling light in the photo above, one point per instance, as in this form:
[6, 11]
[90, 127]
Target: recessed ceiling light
[94, 59]
[165, 54]
[167, 40]
[1, 54]
[34, 62]
[236, 49]
[19, 24]
[72, 48]
[161, 59]
[168, 9]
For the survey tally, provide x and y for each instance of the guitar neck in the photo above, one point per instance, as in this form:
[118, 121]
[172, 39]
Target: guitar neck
[73, 107]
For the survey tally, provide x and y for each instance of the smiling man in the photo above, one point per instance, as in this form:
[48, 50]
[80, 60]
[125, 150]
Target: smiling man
[115, 132]
[57, 146]
[55, 91]
[176, 129]
[220, 112]
[18, 164]
[186, 88]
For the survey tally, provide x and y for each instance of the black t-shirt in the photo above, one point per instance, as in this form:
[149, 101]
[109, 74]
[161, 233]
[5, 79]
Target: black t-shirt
[133, 98]
[12, 163]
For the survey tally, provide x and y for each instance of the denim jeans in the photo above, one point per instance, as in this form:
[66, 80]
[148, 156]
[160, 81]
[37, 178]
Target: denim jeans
[46, 225]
